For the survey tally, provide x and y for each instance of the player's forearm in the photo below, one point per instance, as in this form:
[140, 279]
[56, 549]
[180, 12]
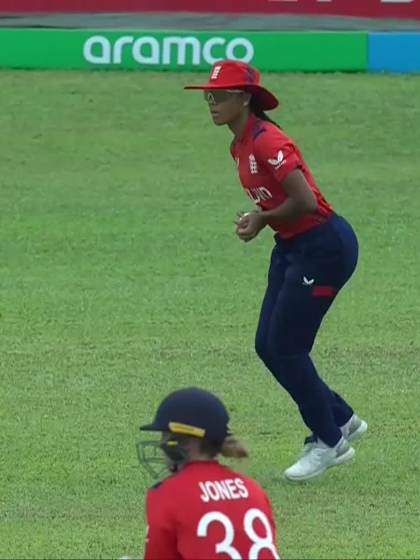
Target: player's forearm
[289, 210]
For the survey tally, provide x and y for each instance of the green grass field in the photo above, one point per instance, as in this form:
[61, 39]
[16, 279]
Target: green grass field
[122, 279]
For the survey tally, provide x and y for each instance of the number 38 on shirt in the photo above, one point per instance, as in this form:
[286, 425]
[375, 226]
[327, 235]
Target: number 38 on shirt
[207, 511]
[261, 545]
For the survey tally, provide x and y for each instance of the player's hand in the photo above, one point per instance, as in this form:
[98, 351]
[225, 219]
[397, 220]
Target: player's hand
[249, 225]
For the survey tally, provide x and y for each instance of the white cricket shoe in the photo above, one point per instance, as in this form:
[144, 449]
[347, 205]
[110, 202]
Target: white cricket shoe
[354, 429]
[317, 459]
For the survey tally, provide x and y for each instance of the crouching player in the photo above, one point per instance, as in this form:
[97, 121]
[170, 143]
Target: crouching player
[203, 510]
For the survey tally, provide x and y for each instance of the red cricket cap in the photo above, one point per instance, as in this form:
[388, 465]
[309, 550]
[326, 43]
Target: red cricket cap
[232, 74]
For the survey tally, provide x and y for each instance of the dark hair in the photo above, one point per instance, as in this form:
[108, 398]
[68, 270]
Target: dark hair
[231, 447]
[259, 113]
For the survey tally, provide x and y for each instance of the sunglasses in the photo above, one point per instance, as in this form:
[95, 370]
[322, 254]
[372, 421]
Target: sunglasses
[214, 97]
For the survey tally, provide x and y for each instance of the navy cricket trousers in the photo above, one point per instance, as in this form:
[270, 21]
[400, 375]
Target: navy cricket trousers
[305, 275]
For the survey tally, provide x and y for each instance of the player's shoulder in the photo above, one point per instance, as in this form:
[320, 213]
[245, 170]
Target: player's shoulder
[172, 481]
[266, 134]
[162, 486]
[266, 129]
[251, 484]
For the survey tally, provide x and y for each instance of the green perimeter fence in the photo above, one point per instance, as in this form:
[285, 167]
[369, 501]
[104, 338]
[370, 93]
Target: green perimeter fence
[182, 50]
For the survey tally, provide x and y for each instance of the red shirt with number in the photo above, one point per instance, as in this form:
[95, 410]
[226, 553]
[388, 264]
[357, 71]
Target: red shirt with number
[265, 156]
[207, 511]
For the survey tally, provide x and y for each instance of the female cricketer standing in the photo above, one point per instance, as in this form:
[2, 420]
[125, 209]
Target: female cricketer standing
[204, 510]
[315, 254]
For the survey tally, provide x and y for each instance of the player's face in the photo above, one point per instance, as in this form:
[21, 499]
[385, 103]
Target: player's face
[163, 442]
[224, 105]
[174, 451]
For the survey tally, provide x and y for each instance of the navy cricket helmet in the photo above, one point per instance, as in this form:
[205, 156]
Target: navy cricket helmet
[185, 413]
[191, 412]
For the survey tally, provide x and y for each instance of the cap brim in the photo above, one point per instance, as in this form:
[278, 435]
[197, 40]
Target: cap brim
[266, 100]
[213, 86]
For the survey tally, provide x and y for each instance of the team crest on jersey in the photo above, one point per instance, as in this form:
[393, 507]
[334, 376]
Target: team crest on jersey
[253, 168]
[278, 161]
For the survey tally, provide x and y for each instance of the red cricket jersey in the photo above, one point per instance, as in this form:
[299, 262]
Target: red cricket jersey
[208, 511]
[265, 155]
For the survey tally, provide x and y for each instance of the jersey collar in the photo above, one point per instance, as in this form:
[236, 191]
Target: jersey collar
[205, 462]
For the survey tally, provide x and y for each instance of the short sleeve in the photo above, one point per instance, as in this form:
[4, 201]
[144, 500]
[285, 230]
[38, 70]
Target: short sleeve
[278, 155]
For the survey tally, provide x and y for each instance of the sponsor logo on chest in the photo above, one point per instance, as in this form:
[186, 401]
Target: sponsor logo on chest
[259, 194]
